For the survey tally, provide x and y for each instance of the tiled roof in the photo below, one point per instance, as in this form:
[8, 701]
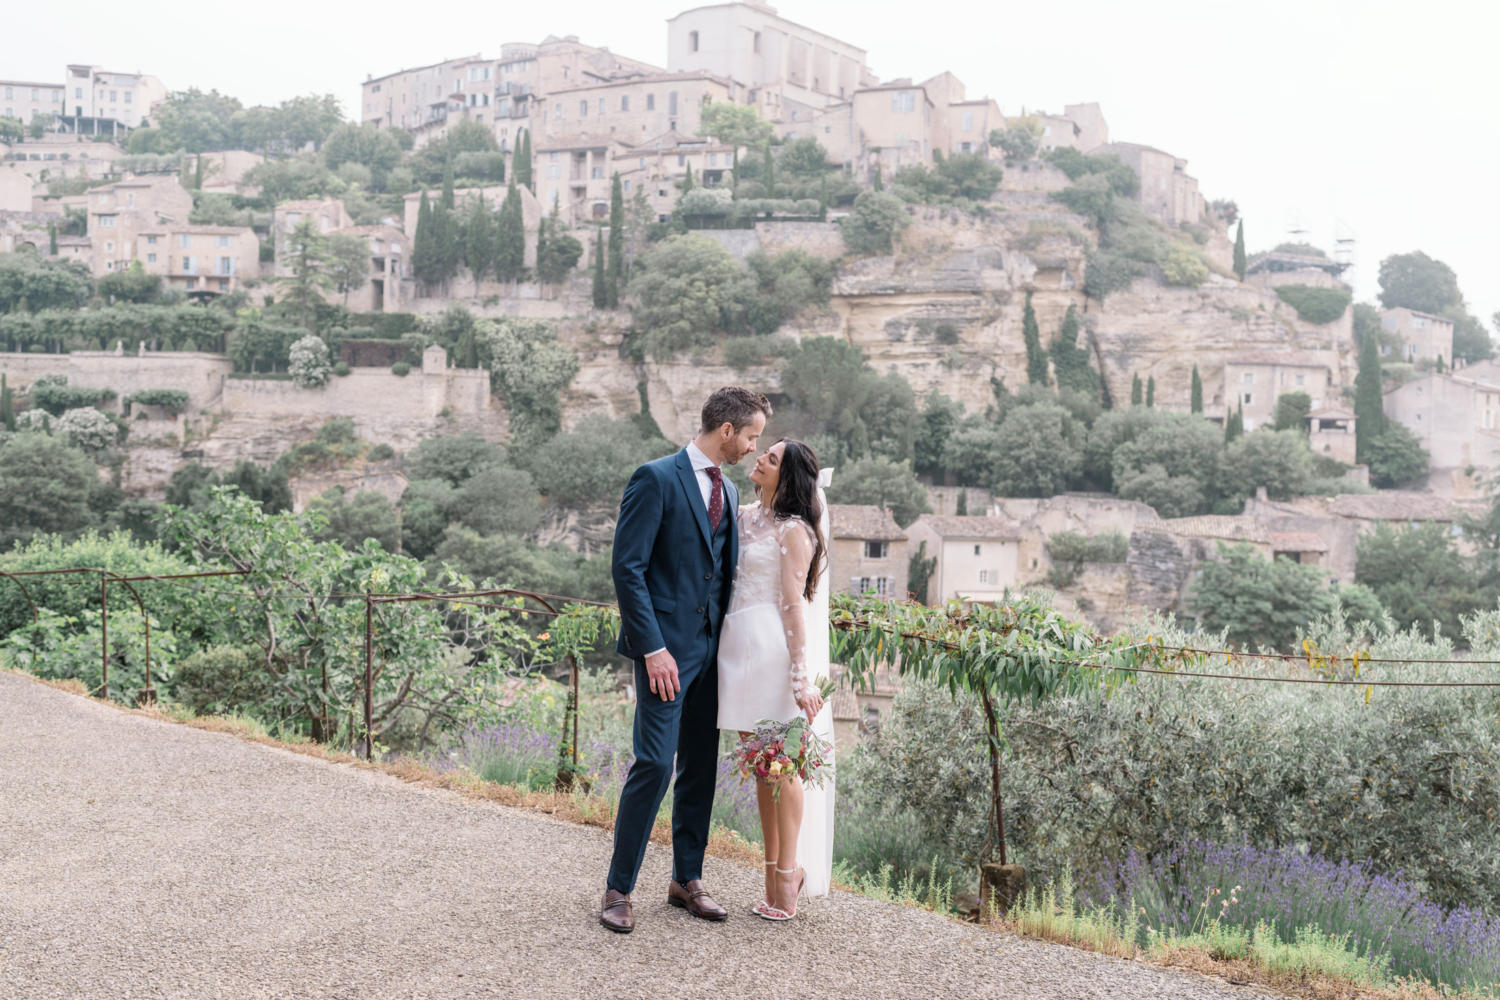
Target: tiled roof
[1297, 541]
[1295, 359]
[865, 521]
[1400, 506]
[953, 526]
[1237, 529]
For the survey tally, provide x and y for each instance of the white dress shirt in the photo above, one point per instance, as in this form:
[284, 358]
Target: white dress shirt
[701, 464]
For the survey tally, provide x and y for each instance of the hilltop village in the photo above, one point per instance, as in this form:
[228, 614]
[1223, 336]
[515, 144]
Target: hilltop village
[764, 209]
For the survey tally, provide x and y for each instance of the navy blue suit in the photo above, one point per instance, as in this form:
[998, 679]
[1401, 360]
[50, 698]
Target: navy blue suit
[672, 577]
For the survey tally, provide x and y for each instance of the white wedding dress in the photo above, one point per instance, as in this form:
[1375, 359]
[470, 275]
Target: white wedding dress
[773, 641]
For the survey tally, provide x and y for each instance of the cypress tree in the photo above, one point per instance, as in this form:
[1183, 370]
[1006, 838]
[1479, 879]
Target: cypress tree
[198, 175]
[479, 241]
[1369, 399]
[616, 243]
[601, 298]
[879, 182]
[468, 350]
[734, 171]
[962, 507]
[448, 185]
[1070, 363]
[7, 406]
[449, 242]
[422, 245]
[510, 240]
[1234, 426]
[1036, 358]
[1151, 392]
[687, 180]
[522, 160]
[1135, 390]
[768, 172]
[1197, 403]
[823, 198]
[1239, 251]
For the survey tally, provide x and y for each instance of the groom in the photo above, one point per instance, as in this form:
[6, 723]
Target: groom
[674, 557]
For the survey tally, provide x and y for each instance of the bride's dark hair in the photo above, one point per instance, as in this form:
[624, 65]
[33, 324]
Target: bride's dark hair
[797, 496]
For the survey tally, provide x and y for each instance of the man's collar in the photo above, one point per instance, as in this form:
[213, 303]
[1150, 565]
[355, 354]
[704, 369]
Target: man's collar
[699, 460]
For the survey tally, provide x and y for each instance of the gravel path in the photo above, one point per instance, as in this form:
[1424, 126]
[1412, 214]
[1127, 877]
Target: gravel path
[144, 859]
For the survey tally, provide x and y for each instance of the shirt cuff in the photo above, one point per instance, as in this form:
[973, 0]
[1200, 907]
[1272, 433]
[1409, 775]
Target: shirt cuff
[651, 654]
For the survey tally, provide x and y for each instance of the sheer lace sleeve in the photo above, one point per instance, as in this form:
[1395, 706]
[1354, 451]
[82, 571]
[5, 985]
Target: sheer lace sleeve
[796, 562]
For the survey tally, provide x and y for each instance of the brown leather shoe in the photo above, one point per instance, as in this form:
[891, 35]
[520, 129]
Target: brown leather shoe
[618, 915]
[695, 899]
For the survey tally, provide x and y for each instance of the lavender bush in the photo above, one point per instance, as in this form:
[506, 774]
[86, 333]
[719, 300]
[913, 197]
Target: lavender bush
[509, 753]
[1291, 890]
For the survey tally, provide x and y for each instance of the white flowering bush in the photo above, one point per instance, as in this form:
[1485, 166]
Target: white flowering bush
[89, 429]
[308, 362]
[36, 420]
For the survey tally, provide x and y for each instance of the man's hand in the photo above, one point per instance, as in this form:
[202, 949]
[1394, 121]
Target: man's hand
[661, 669]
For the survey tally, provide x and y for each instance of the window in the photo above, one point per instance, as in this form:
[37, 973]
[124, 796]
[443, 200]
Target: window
[1047, 130]
[597, 174]
[968, 122]
[755, 43]
[151, 258]
[36, 94]
[877, 550]
[1299, 379]
[223, 241]
[713, 159]
[903, 100]
[643, 163]
[681, 160]
[112, 95]
[966, 147]
[77, 93]
[627, 187]
[1249, 398]
[583, 109]
[151, 241]
[226, 265]
[692, 41]
[650, 102]
[184, 240]
[625, 102]
[105, 221]
[10, 94]
[601, 105]
[984, 576]
[109, 247]
[794, 114]
[976, 550]
[557, 111]
[672, 102]
[127, 97]
[130, 200]
[1489, 419]
[1248, 378]
[554, 171]
[189, 265]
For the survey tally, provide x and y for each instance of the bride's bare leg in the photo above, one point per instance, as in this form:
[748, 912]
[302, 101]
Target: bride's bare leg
[788, 825]
[767, 808]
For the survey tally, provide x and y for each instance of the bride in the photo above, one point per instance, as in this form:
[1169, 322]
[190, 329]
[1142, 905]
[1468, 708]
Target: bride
[773, 647]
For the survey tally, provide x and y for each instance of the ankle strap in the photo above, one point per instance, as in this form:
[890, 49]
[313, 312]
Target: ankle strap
[771, 863]
[786, 871]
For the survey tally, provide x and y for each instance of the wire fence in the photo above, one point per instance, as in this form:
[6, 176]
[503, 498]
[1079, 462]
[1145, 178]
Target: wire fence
[1173, 661]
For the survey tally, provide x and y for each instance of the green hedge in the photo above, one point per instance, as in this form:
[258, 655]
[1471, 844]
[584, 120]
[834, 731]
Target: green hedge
[385, 326]
[1316, 305]
[172, 327]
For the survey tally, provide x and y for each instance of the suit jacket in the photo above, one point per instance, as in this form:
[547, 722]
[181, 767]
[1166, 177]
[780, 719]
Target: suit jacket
[668, 581]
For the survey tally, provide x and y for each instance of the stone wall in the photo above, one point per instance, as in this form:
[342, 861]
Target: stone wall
[820, 239]
[200, 375]
[740, 243]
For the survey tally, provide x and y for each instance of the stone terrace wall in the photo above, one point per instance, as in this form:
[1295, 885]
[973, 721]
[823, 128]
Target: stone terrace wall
[374, 395]
[820, 239]
[199, 374]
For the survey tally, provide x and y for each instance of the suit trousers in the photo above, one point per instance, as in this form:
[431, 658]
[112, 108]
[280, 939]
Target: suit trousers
[685, 729]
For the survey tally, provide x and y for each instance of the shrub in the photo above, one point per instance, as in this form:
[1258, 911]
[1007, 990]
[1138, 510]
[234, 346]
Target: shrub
[531, 368]
[1074, 546]
[1106, 272]
[175, 400]
[53, 394]
[1183, 265]
[401, 368]
[1316, 305]
[684, 285]
[381, 452]
[88, 428]
[593, 462]
[220, 680]
[883, 483]
[453, 458]
[1017, 143]
[1258, 603]
[307, 362]
[1396, 456]
[341, 369]
[878, 218]
[1092, 197]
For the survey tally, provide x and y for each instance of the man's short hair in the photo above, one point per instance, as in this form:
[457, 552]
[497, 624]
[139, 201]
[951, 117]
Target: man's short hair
[734, 405]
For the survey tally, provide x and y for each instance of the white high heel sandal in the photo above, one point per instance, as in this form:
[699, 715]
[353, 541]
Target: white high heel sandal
[774, 913]
[759, 909]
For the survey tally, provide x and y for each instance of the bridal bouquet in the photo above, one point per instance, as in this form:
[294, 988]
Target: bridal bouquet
[778, 751]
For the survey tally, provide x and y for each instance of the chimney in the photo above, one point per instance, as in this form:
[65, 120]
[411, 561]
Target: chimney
[1260, 494]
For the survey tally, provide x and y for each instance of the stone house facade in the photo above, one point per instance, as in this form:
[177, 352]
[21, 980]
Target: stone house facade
[195, 258]
[1420, 335]
[1456, 416]
[976, 556]
[1254, 380]
[390, 256]
[867, 551]
[119, 213]
[1167, 193]
[128, 98]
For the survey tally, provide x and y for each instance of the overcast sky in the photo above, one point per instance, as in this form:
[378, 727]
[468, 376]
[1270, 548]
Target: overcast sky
[1373, 120]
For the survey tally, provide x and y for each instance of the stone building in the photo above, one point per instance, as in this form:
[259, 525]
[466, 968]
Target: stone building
[976, 556]
[657, 165]
[767, 58]
[1254, 379]
[629, 111]
[128, 98]
[25, 99]
[120, 213]
[390, 257]
[1167, 193]
[1421, 335]
[196, 258]
[1456, 416]
[866, 551]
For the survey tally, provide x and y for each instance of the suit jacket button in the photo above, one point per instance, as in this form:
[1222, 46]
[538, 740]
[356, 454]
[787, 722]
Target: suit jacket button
[700, 611]
[708, 576]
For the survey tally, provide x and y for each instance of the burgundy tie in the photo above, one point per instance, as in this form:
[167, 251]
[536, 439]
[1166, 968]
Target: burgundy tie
[716, 498]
